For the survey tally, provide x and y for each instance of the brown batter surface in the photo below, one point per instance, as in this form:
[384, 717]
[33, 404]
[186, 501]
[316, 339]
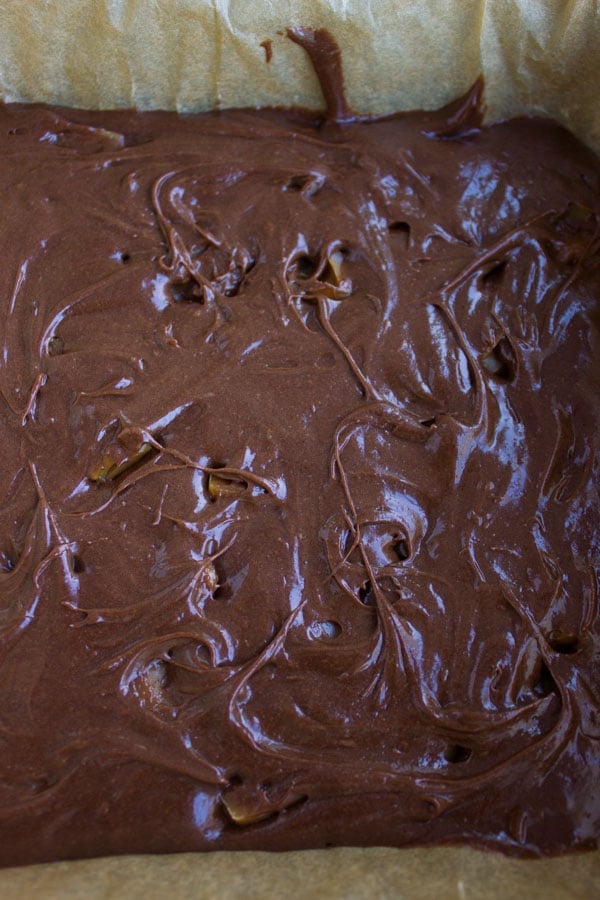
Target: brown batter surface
[298, 422]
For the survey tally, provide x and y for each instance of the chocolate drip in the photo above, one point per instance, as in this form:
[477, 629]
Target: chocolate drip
[326, 59]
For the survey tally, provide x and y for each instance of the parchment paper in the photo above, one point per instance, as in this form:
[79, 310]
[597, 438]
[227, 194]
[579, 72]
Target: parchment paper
[536, 55]
[375, 874]
[539, 56]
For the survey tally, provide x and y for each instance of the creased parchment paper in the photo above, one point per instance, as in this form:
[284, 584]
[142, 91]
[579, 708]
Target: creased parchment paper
[540, 56]
[374, 874]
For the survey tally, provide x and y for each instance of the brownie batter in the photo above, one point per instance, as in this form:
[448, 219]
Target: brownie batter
[298, 509]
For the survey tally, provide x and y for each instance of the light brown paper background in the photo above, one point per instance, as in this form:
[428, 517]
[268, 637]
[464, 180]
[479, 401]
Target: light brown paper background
[375, 874]
[536, 55]
[540, 56]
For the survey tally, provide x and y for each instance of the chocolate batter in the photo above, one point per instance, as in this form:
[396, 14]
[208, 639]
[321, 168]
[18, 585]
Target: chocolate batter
[298, 421]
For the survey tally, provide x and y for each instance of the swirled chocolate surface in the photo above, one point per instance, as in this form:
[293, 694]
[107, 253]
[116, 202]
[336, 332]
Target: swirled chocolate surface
[298, 514]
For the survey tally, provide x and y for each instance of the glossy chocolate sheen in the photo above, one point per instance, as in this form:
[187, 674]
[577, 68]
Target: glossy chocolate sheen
[298, 421]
